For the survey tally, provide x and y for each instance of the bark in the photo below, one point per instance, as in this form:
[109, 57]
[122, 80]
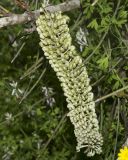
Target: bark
[29, 16]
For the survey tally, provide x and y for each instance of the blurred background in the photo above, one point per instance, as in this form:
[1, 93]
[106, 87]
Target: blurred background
[33, 122]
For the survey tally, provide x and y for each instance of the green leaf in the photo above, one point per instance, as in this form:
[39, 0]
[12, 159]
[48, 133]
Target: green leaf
[93, 24]
[122, 14]
[103, 63]
[38, 111]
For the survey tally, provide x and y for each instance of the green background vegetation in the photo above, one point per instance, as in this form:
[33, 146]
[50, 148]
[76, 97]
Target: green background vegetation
[33, 123]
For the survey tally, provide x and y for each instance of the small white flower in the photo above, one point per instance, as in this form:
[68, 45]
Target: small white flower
[39, 143]
[48, 92]
[15, 90]
[8, 116]
[21, 141]
[7, 154]
[81, 38]
[13, 84]
[20, 91]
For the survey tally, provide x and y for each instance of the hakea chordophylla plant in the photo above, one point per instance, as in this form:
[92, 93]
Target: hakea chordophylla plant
[57, 45]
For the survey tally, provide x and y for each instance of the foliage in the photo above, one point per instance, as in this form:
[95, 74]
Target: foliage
[33, 124]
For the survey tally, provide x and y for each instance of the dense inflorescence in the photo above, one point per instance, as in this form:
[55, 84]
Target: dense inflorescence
[57, 45]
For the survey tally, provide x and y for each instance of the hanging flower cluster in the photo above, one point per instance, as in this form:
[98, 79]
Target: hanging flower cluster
[57, 45]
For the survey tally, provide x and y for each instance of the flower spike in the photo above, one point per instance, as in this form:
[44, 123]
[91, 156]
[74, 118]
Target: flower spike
[56, 43]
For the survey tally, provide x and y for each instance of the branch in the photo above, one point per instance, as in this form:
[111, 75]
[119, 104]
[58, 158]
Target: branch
[26, 17]
[112, 94]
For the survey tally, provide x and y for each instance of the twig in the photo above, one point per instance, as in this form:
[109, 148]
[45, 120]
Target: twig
[97, 47]
[26, 94]
[117, 7]
[111, 94]
[33, 68]
[26, 17]
[104, 35]
[55, 131]
[19, 51]
[18, 114]
[22, 112]
[94, 3]
[102, 77]
[117, 128]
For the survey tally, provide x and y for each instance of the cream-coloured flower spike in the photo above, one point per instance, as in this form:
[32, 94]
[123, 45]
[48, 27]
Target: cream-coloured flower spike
[57, 45]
